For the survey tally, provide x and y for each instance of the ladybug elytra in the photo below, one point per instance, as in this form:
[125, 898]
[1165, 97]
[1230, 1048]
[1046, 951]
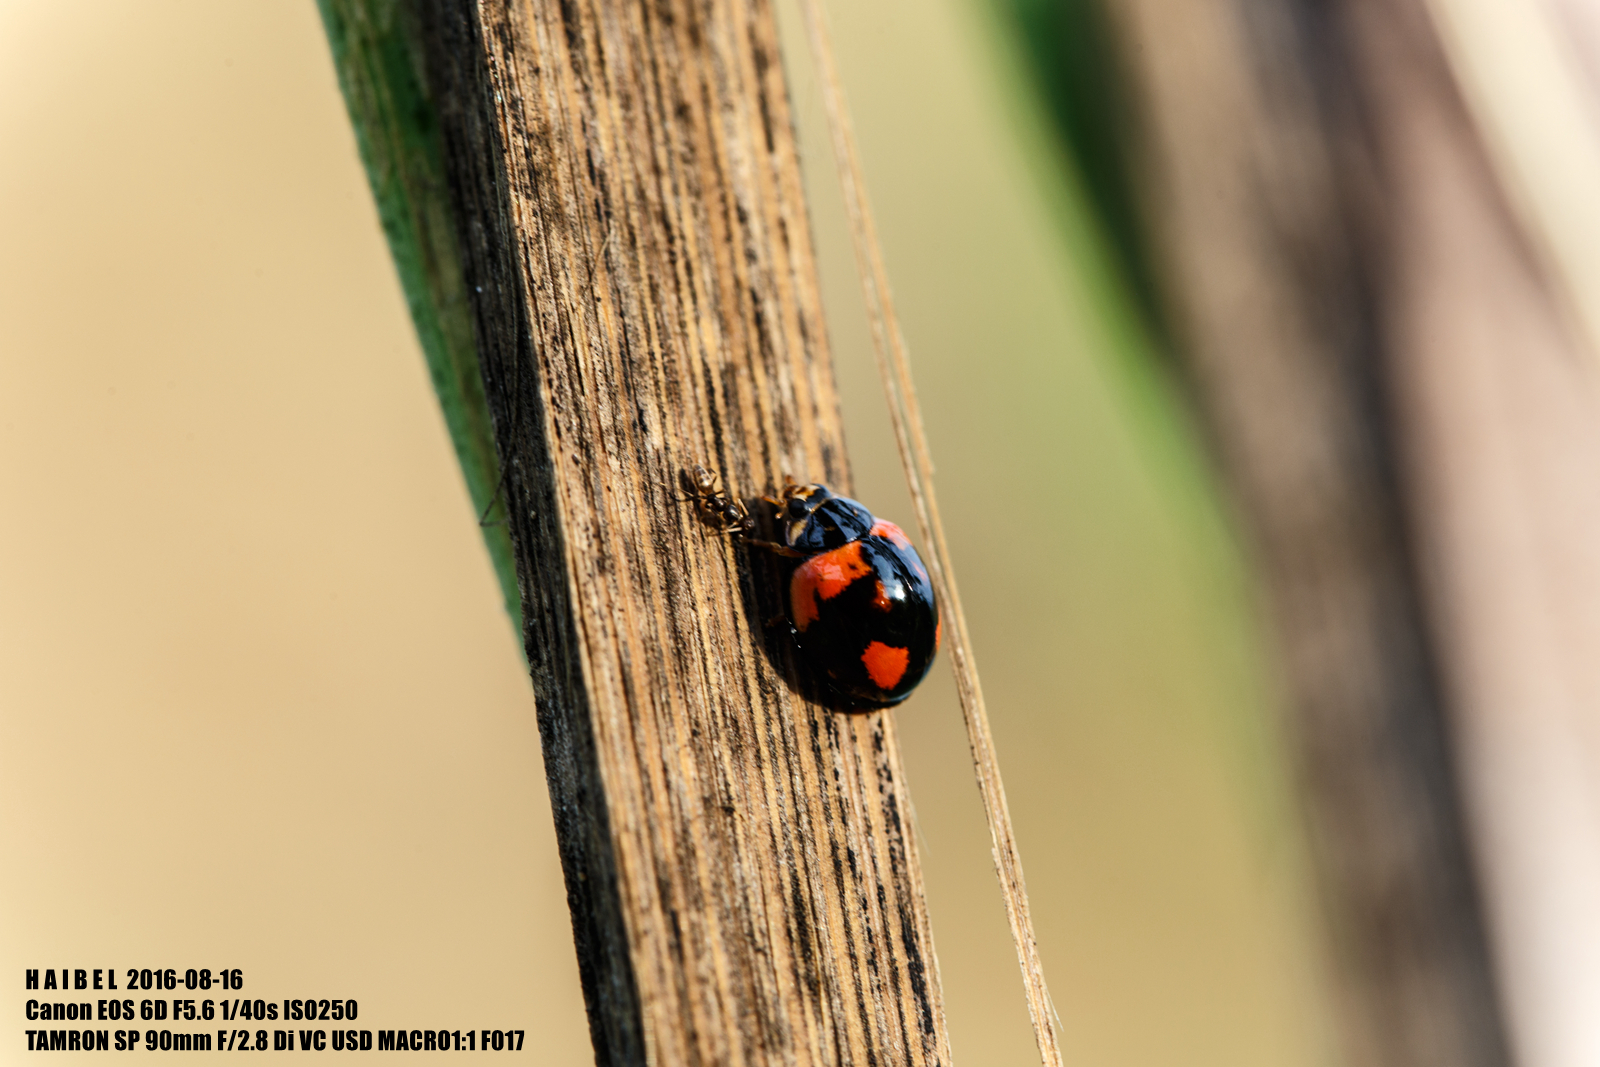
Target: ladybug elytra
[859, 603]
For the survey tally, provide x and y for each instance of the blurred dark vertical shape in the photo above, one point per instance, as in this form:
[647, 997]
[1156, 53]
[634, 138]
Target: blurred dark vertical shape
[1263, 144]
[1084, 87]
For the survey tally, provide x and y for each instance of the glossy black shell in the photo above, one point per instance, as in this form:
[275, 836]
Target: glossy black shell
[832, 523]
[861, 607]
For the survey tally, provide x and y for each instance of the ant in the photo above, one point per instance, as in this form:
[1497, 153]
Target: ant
[728, 513]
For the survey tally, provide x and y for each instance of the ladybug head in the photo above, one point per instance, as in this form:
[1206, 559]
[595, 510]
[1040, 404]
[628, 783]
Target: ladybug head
[794, 511]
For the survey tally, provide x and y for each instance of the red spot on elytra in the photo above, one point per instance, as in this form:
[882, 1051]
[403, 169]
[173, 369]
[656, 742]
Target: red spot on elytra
[889, 531]
[824, 576]
[881, 601]
[885, 664]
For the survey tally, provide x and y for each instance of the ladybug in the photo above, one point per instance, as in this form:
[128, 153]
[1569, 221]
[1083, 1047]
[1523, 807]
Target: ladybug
[860, 607]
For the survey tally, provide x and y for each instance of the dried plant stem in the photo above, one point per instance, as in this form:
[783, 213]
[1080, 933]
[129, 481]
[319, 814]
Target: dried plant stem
[743, 881]
[893, 367]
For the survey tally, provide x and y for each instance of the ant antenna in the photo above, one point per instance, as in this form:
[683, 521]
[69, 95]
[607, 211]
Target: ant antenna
[500, 487]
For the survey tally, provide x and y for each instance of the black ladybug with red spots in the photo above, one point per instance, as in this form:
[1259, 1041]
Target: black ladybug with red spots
[859, 606]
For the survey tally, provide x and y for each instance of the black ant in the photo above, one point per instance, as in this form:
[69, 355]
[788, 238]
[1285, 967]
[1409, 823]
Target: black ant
[728, 513]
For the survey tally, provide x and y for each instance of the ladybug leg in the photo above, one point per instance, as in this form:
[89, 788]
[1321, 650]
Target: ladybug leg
[775, 548]
[781, 501]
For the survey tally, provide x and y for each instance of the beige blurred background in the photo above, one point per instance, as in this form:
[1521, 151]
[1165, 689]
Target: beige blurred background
[260, 708]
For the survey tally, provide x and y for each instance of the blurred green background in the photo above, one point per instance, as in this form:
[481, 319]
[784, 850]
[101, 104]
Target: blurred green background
[261, 706]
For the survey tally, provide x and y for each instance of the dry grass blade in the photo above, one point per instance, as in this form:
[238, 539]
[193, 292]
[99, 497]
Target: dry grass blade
[894, 368]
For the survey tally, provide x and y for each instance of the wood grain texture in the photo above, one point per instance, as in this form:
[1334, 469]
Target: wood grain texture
[740, 860]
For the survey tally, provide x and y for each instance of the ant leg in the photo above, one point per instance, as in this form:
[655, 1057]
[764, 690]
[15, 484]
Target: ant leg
[499, 488]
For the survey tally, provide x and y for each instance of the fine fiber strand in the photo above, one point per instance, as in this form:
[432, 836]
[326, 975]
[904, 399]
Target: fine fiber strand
[904, 412]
